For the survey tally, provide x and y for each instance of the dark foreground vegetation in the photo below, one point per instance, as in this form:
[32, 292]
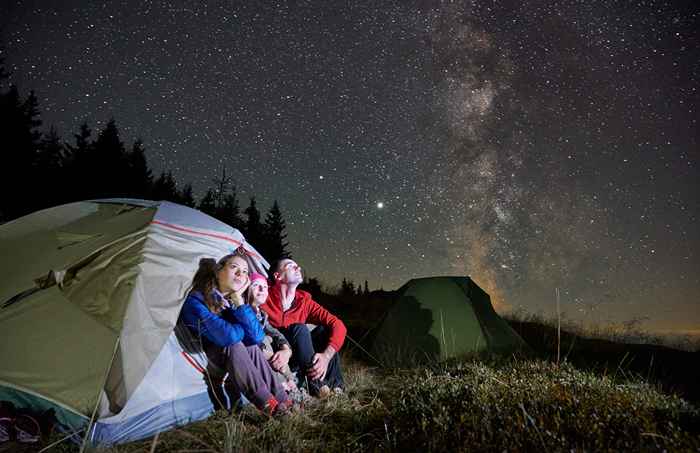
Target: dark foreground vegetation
[476, 405]
[601, 396]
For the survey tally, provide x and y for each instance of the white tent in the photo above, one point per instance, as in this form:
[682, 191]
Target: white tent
[89, 297]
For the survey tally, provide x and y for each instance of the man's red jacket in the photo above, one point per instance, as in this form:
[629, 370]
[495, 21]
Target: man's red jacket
[303, 310]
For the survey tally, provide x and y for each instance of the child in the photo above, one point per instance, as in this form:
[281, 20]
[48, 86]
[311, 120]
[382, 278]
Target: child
[275, 346]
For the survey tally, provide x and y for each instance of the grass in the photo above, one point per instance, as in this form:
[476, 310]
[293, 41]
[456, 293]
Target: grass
[481, 405]
[618, 351]
[536, 405]
[351, 421]
[602, 396]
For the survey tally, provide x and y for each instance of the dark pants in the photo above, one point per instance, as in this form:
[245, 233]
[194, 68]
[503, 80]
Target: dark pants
[304, 345]
[249, 373]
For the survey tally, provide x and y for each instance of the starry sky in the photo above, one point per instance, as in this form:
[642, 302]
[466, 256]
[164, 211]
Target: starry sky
[532, 145]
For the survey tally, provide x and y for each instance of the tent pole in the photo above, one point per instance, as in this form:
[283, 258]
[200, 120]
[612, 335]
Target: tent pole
[97, 403]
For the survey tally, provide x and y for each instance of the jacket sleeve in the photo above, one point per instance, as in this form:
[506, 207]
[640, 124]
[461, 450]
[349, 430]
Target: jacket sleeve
[244, 317]
[319, 315]
[197, 317]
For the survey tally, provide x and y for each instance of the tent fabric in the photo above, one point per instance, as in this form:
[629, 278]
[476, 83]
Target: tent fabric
[155, 406]
[437, 318]
[90, 295]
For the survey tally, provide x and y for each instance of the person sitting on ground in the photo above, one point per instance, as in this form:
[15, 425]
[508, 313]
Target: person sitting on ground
[230, 333]
[314, 353]
[275, 346]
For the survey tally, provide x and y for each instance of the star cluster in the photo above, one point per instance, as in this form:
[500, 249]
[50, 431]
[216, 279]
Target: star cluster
[531, 146]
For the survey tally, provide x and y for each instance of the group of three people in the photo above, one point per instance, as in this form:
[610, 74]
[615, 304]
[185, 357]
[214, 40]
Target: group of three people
[259, 335]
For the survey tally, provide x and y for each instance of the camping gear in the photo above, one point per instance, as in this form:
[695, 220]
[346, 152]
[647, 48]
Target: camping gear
[437, 318]
[90, 295]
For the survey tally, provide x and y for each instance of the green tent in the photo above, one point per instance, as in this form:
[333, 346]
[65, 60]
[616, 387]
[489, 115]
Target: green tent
[441, 317]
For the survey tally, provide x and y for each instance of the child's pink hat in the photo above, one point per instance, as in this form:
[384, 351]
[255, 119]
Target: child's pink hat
[255, 276]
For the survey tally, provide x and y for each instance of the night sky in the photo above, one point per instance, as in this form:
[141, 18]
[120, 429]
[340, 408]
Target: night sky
[532, 146]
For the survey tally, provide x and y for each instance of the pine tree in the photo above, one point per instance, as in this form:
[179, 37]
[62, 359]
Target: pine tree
[76, 166]
[140, 176]
[347, 288]
[221, 189]
[208, 203]
[275, 232]
[3, 72]
[186, 196]
[225, 202]
[47, 165]
[110, 163]
[253, 229]
[229, 212]
[31, 116]
[165, 188]
[366, 292]
[21, 141]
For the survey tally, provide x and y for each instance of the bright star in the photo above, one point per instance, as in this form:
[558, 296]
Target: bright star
[380, 205]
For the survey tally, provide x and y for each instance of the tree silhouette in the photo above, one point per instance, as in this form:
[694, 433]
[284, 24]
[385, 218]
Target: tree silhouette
[103, 167]
[208, 203]
[109, 163]
[76, 165]
[186, 196]
[275, 233]
[165, 188]
[346, 288]
[229, 212]
[140, 175]
[254, 230]
[19, 120]
[47, 169]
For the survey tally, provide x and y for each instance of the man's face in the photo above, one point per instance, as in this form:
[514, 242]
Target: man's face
[289, 272]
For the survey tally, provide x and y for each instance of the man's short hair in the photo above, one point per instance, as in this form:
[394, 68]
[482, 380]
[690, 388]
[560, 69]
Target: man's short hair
[276, 264]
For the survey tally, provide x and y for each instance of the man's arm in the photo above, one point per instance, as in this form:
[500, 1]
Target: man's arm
[319, 315]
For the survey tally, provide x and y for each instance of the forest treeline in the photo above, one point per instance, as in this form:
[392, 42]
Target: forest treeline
[41, 170]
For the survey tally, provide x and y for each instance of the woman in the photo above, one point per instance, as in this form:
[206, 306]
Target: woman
[229, 331]
[275, 347]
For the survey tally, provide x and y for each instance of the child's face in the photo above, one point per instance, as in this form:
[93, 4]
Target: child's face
[259, 289]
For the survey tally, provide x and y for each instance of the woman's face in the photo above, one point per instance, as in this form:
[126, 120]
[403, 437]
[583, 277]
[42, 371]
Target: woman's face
[234, 275]
[259, 290]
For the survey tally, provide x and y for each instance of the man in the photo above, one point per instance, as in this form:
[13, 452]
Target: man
[314, 353]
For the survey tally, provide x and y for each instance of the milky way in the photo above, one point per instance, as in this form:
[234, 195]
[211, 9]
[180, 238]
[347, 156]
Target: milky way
[531, 146]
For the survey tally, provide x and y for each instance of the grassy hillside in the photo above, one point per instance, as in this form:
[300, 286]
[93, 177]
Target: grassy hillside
[672, 370]
[603, 395]
[479, 405]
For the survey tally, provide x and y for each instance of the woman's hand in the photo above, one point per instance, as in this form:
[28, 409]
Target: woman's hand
[237, 294]
[280, 359]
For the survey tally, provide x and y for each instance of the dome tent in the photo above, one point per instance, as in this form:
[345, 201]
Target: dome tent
[89, 298]
[437, 318]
